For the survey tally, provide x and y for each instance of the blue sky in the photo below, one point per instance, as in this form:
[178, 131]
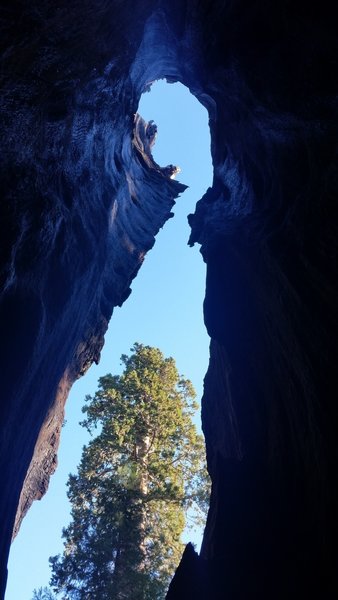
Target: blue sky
[165, 310]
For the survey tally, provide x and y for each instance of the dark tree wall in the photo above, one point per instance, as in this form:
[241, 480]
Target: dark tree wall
[81, 205]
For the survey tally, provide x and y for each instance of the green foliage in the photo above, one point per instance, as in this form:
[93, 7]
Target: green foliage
[136, 482]
[43, 594]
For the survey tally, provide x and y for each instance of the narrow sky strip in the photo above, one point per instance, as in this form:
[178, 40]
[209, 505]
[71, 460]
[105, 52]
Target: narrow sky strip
[165, 310]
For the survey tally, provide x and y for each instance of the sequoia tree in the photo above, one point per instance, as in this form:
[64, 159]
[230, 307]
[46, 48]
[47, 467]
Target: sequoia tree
[43, 594]
[138, 481]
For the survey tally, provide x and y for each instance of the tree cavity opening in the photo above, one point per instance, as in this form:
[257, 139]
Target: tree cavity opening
[163, 311]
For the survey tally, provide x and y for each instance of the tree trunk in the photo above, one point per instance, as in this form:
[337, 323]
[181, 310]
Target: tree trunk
[130, 561]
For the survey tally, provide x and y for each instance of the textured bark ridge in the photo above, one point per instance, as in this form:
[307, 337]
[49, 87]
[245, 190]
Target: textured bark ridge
[82, 200]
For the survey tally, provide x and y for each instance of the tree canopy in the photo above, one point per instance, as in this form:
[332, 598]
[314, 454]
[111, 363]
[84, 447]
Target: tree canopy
[139, 479]
[43, 594]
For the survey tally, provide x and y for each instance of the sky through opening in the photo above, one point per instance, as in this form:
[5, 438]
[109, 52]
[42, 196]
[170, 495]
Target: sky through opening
[165, 310]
